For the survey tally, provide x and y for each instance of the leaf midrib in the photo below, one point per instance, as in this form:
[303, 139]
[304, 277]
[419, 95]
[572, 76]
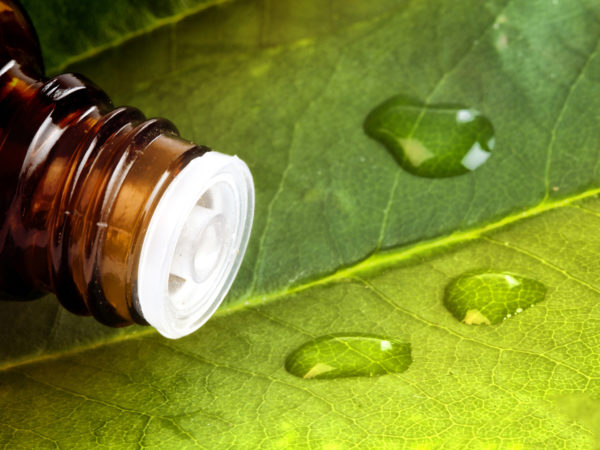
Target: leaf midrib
[376, 262]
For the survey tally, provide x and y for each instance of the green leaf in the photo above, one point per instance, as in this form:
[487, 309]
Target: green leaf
[347, 242]
[70, 30]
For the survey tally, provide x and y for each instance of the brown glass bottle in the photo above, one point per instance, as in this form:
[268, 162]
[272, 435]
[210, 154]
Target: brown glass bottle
[80, 185]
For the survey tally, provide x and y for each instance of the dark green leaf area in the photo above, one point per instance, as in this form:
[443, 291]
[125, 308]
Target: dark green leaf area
[73, 30]
[434, 141]
[491, 297]
[352, 355]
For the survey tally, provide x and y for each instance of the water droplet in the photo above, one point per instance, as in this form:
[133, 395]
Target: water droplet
[485, 298]
[433, 141]
[355, 355]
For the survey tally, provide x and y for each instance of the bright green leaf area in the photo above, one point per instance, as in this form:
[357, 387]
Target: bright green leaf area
[347, 242]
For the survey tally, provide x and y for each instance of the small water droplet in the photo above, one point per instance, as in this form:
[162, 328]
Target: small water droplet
[485, 298]
[353, 355]
[433, 141]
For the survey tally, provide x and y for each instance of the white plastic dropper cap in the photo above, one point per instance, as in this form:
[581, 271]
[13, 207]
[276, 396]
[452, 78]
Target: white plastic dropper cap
[195, 243]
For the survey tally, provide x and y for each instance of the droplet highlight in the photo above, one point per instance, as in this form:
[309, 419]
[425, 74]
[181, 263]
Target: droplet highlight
[434, 141]
[356, 355]
[489, 298]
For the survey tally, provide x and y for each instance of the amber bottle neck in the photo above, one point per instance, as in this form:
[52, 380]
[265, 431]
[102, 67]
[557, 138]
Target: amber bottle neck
[78, 182]
[115, 214]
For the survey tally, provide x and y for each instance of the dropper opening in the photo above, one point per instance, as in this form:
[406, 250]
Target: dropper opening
[195, 243]
[201, 246]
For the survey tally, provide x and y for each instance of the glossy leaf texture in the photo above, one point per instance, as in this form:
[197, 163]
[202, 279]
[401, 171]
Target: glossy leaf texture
[70, 31]
[346, 242]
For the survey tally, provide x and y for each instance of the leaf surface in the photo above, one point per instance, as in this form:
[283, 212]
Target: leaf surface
[345, 241]
[70, 31]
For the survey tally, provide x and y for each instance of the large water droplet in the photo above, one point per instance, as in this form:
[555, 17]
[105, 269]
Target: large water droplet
[357, 355]
[491, 297]
[432, 141]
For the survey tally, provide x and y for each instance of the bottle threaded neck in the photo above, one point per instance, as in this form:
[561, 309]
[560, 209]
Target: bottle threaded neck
[84, 183]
